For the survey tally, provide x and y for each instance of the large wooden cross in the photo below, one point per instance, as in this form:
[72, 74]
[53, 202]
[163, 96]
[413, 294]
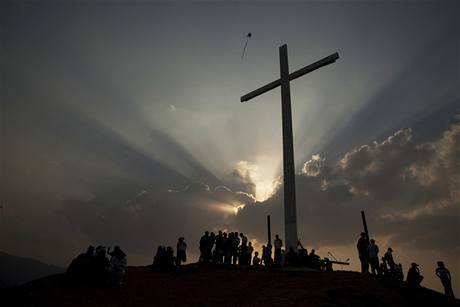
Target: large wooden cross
[290, 214]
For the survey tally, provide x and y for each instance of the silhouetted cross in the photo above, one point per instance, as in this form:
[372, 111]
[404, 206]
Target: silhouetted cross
[290, 215]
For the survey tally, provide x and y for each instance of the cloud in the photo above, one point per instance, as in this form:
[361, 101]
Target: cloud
[401, 185]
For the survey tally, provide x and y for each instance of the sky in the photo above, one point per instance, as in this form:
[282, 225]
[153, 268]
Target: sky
[121, 124]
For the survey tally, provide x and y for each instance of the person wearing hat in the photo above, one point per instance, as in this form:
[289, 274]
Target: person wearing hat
[413, 275]
[443, 273]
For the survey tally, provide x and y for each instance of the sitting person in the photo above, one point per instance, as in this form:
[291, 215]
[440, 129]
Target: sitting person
[80, 269]
[256, 262]
[414, 278]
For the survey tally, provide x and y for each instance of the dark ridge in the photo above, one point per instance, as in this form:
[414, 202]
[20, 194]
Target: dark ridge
[228, 286]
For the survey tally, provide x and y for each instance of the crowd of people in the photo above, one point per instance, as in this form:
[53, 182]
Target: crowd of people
[93, 267]
[233, 248]
[368, 252]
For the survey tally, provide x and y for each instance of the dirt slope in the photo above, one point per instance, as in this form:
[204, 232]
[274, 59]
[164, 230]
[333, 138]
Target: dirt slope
[195, 286]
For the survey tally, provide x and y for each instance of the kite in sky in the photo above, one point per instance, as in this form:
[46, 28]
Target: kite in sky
[246, 44]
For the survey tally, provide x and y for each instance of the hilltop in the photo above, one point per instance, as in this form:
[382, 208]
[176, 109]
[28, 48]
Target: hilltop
[206, 286]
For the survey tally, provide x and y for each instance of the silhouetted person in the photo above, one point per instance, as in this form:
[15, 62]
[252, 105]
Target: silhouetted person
[443, 273]
[373, 252]
[243, 250]
[228, 239]
[291, 258]
[234, 247]
[101, 266]
[170, 260]
[389, 259]
[278, 243]
[81, 268]
[256, 260]
[204, 243]
[413, 275]
[158, 259]
[219, 249]
[383, 267]
[249, 253]
[363, 252]
[314, 260]
[327, 265]
[267, 256]
[181, 251]
[118, 264]
[398, 273]
[303, 254]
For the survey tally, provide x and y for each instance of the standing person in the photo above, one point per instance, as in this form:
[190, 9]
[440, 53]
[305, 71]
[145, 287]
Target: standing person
[363, 252]
[101, 266]
[219, 250]
[243, 250]
[249, 253]
[398, 272]
[414, 278]
[373, 252]
[278, 244]
[443, 273]
[181, 251]
[203, 246]
[209, 247]
[118, 264]
[234, 248]
[389, 259]
[228, 239]
[267, 255]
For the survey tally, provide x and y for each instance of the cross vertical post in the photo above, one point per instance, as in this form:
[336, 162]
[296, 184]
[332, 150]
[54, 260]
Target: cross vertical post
[290, 210]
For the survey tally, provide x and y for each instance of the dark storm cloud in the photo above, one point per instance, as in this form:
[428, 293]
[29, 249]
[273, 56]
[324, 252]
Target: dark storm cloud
[410, 192]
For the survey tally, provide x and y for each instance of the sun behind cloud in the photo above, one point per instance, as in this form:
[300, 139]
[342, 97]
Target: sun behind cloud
[266, 183]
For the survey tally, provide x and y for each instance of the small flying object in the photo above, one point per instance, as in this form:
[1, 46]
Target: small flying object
[248, 37]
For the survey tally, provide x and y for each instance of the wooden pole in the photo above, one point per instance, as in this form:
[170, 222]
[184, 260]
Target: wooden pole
[269, 230]
[363, 217]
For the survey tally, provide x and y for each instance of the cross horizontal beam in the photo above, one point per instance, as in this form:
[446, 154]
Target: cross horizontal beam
[296, 74]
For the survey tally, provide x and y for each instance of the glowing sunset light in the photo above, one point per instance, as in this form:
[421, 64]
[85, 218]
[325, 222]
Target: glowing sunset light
[265, 182]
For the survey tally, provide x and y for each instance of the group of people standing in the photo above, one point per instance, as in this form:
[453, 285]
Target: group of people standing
[232, 248]
[95, 268]
[235, 248]
[368, 252]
